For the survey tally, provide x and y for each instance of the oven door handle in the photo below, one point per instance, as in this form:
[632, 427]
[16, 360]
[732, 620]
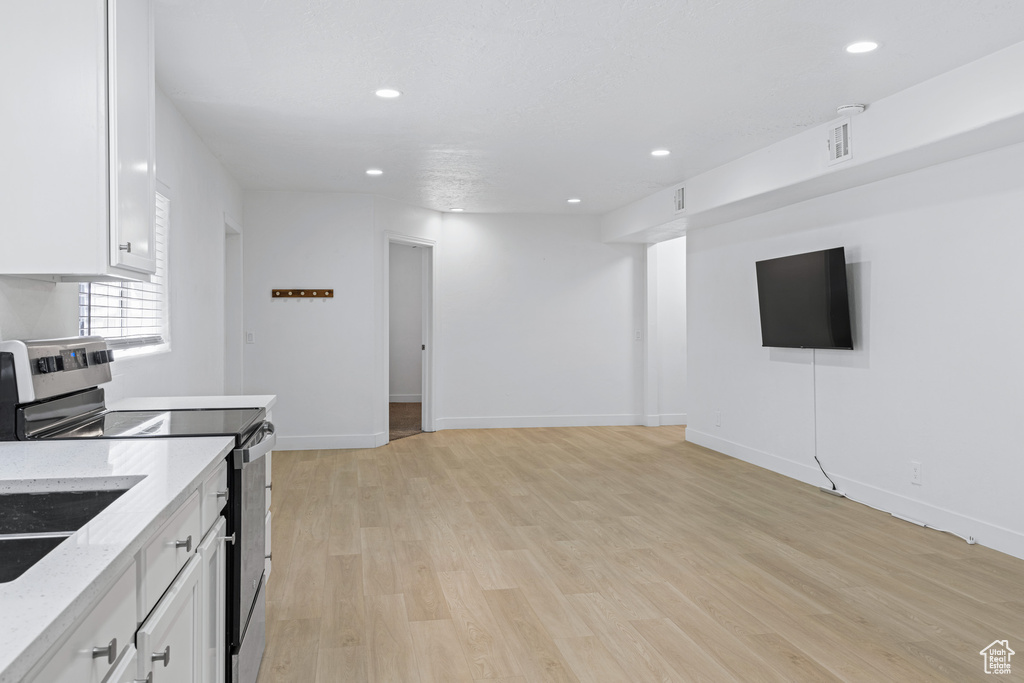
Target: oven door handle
[260, 449]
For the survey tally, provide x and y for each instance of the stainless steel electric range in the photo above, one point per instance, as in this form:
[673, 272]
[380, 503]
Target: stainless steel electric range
[49, 389]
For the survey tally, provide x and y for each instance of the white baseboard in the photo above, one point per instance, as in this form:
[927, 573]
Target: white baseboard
[990, 535]
[665, 420]
[406, 398]
[527, 421]
[809, 474]
[329, 441]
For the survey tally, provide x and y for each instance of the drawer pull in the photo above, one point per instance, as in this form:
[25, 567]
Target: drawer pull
[125, 247]
[222, 494]
[269, 556]
[230, 539]
[164, 656]
[270, 486]
[186, 544]
[110, 651]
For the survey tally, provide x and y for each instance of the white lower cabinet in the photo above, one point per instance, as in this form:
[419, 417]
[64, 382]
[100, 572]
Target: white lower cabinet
[169, 640]
[183, 638]
[213, 637]
[89, 654]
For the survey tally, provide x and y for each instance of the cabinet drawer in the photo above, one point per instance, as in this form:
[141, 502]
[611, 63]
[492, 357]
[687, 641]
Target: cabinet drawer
[214, 494]
[162, 558]
[112, 619]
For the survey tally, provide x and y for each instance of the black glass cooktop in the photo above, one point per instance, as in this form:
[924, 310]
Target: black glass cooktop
[130, 424]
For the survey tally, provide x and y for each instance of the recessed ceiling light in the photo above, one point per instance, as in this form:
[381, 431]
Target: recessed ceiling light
[456, 210]
[574, 200]
[660, 153]
[861, 47]
[387, 93]
[374, 171]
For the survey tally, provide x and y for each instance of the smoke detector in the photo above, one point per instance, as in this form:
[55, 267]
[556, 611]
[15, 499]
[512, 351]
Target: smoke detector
[849, 109]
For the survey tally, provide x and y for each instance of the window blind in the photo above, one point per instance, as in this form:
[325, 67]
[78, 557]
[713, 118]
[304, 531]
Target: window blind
[130, 314]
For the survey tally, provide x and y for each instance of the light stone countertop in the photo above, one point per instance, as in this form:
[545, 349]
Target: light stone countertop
[193, 402]
[41, 605]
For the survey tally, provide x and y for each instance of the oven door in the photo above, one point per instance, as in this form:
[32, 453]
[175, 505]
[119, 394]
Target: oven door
[249, 551]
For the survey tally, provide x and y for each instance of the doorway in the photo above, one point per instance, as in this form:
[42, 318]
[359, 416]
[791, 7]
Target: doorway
[410, 296]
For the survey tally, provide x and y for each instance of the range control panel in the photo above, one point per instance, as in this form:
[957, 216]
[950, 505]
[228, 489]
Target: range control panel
[71, 359]
[53, 367]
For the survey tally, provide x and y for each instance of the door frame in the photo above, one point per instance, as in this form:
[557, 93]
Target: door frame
[427, 312]
[234, 323]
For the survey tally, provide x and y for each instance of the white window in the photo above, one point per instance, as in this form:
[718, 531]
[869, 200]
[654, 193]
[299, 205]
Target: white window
[130, 315]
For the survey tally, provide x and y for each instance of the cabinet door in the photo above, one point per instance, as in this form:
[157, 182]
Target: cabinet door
[132, 102]
[213, 638]
[168, 642]
[270, 553]
[127, 668]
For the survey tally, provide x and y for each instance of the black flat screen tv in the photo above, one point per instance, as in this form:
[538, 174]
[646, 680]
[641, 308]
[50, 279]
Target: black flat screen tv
[804, 301]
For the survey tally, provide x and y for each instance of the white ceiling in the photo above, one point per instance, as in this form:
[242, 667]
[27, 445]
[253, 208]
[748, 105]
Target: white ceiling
[517, 105]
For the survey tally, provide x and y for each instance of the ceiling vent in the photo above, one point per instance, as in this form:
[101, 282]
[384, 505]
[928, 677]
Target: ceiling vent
[839, 142]
[680, 199]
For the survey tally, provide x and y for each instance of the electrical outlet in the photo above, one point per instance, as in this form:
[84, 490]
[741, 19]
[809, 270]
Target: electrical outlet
[718, 418]
[250, 337]
[915, 473]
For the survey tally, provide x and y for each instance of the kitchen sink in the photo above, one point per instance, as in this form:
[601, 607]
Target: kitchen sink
[17, 555]
[33, 524]
[48, 511]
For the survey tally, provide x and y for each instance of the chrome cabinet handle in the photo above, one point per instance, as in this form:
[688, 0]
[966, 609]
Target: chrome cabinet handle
[230, 539]
[270, 556]
[222, 494]
[165, 656]
[186, 544]
[110, 651]
[270, 486]
[125, 247]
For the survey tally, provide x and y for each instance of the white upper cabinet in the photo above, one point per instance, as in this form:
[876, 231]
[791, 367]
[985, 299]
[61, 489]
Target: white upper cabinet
[77, 134]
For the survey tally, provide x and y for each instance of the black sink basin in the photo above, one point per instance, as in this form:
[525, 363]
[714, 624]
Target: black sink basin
[36, 513]
[33, 524]
[18, 554]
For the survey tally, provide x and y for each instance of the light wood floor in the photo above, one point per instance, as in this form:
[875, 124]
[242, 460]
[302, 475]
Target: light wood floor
[610, 554]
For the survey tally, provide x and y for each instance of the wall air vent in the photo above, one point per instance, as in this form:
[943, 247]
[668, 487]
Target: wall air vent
[680, 199]
[839, 142]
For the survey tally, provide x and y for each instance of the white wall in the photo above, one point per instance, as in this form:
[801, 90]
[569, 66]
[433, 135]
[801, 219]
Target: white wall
[317, 355]
[671, 319]
[534, 318]
[405, 324]
[201, 192]
[33, 309]
[537, 323]
[937, 375]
